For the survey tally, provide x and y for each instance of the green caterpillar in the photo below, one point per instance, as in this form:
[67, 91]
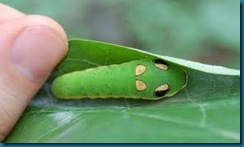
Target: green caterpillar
[138, 79]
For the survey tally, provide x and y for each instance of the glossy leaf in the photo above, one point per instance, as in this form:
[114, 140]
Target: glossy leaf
[207, 110]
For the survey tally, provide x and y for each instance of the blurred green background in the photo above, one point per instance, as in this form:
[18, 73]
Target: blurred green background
[206, 31]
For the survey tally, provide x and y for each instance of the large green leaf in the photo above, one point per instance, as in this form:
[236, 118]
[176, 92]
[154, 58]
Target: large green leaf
[207, 110]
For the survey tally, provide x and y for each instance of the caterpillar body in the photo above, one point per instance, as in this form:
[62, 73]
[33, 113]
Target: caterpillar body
[138, 79]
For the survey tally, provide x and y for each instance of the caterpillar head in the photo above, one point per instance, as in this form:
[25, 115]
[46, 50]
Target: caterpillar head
[159, 79]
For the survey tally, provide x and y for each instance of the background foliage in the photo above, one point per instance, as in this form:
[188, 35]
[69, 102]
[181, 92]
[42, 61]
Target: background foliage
[201, 30]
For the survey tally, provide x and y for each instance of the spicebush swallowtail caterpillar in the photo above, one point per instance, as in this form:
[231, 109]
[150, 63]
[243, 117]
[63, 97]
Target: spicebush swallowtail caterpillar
[138, 79]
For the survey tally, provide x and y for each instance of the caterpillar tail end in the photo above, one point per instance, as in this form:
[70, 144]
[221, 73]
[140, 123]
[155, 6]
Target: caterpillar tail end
[55, 89]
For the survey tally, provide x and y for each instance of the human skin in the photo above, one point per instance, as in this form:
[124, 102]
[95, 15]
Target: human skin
[30, 47]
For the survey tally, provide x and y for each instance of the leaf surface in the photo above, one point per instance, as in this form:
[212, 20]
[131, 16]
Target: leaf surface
[206, 110]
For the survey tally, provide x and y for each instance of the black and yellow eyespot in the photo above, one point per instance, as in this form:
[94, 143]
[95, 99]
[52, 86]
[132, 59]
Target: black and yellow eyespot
[161, 90]
[161, 64]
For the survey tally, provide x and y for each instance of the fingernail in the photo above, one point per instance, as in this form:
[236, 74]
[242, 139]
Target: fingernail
[36, 51]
